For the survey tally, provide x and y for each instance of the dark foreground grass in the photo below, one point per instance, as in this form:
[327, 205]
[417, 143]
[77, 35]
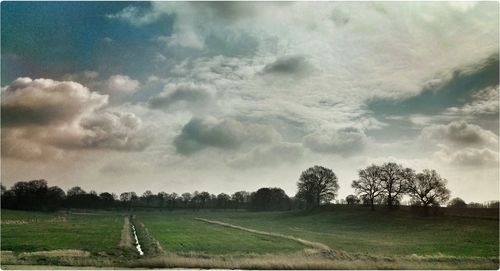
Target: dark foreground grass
[34, 231]
[379, 233]
[180, 232]
[300, 261]
[295, 261]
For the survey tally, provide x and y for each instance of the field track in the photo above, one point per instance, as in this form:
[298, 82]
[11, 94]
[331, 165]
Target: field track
[315, 245]
[126, 238]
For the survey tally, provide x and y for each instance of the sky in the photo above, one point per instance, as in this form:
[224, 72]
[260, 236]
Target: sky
[230, 96]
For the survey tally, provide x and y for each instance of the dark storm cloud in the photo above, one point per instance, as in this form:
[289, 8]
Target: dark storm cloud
[21, 115]
[199, 134]
[175, 93]
[230, 11]
[289, 65]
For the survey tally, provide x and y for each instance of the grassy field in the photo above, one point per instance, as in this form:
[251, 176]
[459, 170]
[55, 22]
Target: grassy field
[32, 231]
[380, 233]
[343, 238]
[180, 232]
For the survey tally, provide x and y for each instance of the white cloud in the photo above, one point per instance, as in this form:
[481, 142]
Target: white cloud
[468, 157]
[187, 39]
[483, 102]
[42, 118]
[461, 144]
[134, 16]
[81, 77]
[344, 141]
[113, 130]
[391, 46]
[460, 134]
[119, 84]
[268, 156]
[359, 51]
[45, 101]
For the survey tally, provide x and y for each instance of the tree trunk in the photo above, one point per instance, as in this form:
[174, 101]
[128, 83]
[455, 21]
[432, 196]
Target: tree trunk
[317, 200]
[373, 206]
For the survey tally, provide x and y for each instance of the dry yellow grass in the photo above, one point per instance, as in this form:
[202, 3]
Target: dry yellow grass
[63, 258]
[54, 267]
[7, 256]
[317, 261]
[307, 259]
[56, 253]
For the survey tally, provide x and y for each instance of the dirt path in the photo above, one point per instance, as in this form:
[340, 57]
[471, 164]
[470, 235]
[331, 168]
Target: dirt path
[126, 238]
[315, 245]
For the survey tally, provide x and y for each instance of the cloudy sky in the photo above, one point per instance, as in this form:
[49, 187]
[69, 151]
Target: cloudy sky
[176, 97]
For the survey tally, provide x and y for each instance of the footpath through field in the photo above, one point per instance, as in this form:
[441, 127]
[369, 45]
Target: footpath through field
[315, 245]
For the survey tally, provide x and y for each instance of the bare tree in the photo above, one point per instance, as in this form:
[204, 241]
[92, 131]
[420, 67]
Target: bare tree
[394, 181]
[316, 185]
[428, 188]
[368, 185]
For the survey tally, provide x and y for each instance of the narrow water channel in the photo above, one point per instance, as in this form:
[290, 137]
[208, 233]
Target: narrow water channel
[137, 245]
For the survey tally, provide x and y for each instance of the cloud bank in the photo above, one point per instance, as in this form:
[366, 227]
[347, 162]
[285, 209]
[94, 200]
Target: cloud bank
[41, 117]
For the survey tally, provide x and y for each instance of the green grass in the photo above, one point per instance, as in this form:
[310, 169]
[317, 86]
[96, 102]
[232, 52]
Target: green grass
[373, 240]
[34, 231]
[379, 233]
[180, 232]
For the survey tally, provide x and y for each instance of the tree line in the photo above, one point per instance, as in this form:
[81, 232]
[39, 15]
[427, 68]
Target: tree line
[382, 184]
[37, 195]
